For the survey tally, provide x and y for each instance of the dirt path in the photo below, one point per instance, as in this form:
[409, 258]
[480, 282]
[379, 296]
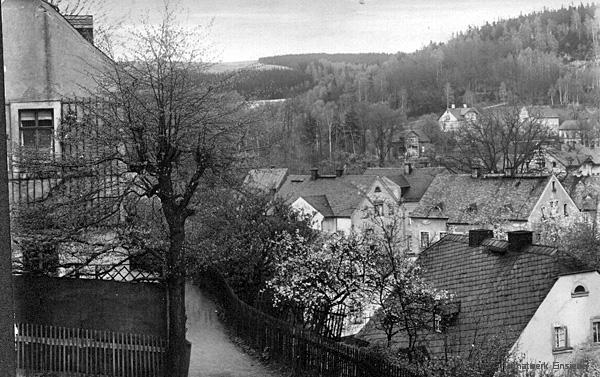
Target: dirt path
[213, 354]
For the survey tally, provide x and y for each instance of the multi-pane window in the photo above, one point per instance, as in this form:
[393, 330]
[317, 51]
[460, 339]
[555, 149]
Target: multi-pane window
[559, 337]
[424, 239]
[36, 127]
[596, 331]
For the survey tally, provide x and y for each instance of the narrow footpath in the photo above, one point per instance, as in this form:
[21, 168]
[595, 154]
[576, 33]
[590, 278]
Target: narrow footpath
[213, 354]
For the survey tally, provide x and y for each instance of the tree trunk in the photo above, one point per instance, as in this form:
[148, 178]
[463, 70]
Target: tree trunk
[176, 349]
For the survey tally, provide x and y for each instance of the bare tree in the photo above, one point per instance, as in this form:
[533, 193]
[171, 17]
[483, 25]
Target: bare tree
[497, 140]
[157, 129]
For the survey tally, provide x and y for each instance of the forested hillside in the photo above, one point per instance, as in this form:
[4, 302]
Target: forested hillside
[351, 102]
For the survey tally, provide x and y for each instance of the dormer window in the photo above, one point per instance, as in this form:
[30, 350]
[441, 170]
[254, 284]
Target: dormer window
[580, 291]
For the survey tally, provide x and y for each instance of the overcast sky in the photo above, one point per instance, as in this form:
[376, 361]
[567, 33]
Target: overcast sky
[248, 29]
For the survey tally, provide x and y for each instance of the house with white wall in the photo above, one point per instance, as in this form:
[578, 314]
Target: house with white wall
[453, 118]
[456, 203]
[510, 297]
[341, 202]
[545, 115]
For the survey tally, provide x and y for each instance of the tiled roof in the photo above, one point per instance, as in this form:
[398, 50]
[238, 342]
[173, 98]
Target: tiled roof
[394, 174]
[465, 200]
[571, 158]
[419, 180]
[320, 203]
[459, 112]
[542, 112]
[569, 125]
[265, 179]
[344, 194]
[498, 292]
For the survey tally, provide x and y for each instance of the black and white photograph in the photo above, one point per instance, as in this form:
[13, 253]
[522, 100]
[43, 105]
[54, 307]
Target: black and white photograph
[285, 188]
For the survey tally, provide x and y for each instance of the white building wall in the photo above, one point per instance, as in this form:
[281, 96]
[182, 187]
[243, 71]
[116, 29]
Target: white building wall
[559, 308]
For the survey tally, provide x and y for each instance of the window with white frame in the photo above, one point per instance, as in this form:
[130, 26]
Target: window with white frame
[36, 128]
[559, 338]
[424, 239]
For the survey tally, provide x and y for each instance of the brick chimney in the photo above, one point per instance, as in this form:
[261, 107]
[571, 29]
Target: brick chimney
[475, 172]
[314, 174]
[407, 168]
[476, 236]
[519, 240]
[339, 172]
[453, 106]
[83, 24]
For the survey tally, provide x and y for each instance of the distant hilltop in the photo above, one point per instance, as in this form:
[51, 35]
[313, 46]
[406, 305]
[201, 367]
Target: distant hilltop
[243, 65]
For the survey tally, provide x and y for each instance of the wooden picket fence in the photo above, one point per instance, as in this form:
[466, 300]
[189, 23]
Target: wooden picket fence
[70, 352]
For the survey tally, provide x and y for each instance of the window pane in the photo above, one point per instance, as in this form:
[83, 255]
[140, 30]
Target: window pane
[27, 115]
[27, 123]
[45, 123]
[45, 114]
[45, 138]
[28, 138]
[596, 329]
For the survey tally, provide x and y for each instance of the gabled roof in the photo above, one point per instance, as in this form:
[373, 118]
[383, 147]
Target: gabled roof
[460, 112]
[570, 125]
[344, 194]
[542, 112]
[423, 138]
[265, 179]
[319, 203]
[465, 200]
[396, 175]
[419, 180]
[498, 292]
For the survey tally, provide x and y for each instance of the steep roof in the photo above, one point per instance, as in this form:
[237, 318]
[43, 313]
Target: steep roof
[465, 200]
[419, 180]
[498, 293]
[570, 125]
[265, 179]
[344, 194]
[394, 174]
[423, 138]
[460, 112]
[320, 203]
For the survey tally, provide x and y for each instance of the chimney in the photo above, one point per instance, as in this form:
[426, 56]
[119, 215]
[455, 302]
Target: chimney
[339, 172]
[519, 240]
[407, 168]
[475, 173]
[83, 24]
[453, 106]
[314, 174]
[509, 172]
[476, 236]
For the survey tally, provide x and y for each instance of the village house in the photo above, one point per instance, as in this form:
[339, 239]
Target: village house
[545, 115]
[414, 182]
[509, 297]
[411, 144]
[60, 66]
[453, 118]
[61, 62]
[265, 180]
[340, 202]
[458, 203]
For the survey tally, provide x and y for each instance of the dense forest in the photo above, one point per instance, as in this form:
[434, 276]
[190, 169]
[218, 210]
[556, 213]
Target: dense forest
[349, 107]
